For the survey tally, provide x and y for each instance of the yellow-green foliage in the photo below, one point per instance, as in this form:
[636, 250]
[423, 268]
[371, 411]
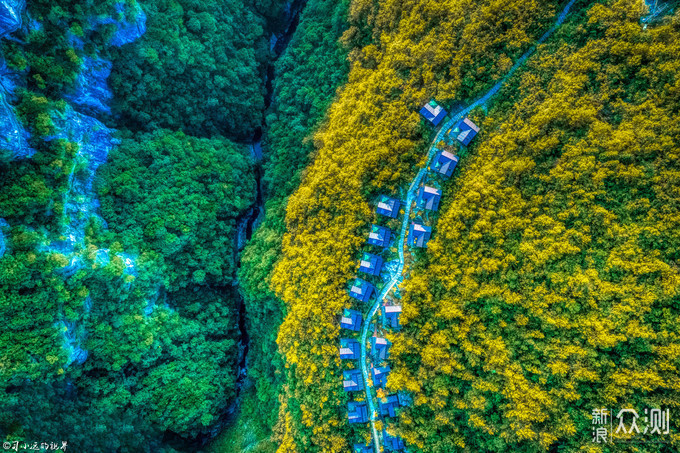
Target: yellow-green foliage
[551, 286]
[371, 142]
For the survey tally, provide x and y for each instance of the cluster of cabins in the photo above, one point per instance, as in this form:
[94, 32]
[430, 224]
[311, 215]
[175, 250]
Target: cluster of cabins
[363, 291]
[371, 264]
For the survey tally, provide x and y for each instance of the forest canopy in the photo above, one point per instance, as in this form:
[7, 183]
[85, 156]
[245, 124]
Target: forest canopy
[199, 68]
[178, 197]
[119, 313]
[549, 287]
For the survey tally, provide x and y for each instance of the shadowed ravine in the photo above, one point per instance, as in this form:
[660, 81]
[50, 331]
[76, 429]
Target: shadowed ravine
[247, 223]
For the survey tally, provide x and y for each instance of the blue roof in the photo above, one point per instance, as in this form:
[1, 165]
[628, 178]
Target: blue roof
[352, 380]
[379, 236]
[380, 376]
[370, 264]
[444, 163]
[359, 448]
[464, 131]
[433, 112]
[428, 198]
[391, 315]
[388, 206]
[361, 290]
[349, 349]
[357, 412]
[418, 235]
[380, 348]
[351, 319]
[392, 443]
[389, 406]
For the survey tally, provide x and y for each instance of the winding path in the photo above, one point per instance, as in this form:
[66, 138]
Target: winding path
[410, 197]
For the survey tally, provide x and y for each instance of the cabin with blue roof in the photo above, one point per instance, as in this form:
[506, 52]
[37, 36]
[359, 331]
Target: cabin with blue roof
[380, 376]
[418, 235]
[388, 406]
[351, 319]
[465, 131]
[428, 198]
[361, 290]
[444, 163]
[392, 443]
[380, 348]
[370, 264]
[357, 412]
[349, 349]
[352, 380]
[433, 112]
[388, 207]
[391, 315]
[358, 448]
[379, 236]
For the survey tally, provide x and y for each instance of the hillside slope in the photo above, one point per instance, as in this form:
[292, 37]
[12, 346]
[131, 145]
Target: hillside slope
[551, 287]
[372, 139]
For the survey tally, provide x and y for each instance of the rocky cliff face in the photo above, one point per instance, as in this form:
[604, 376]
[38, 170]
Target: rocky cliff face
[78, 124]
[13, 136]
[10, 16]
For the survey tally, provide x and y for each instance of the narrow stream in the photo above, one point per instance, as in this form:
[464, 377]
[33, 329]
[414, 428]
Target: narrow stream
[247, 223]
